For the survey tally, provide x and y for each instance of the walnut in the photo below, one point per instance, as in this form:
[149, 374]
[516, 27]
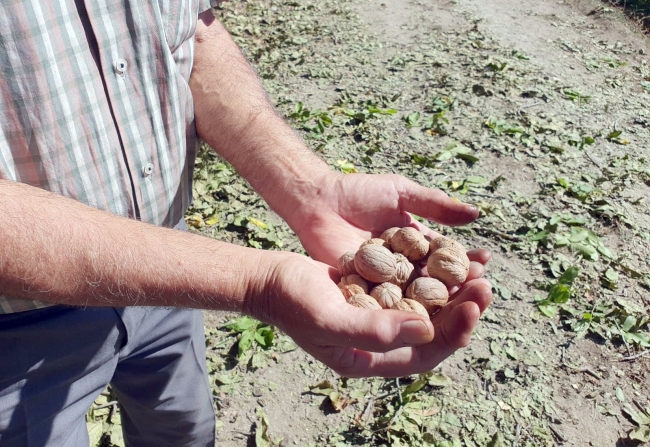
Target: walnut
[429, 292]
[375, 263]
[448, 261]
[405, 273]
[388, 234]
[410, 305]
[386, 294]
[364, 301]
[375, 241]
[352, 285]
[410, 242]
[346, 264]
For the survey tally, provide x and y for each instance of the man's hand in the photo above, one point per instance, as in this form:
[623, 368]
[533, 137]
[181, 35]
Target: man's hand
[351, 208]
[302, 299]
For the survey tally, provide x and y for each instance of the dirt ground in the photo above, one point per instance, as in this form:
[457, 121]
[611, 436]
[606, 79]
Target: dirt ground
[537, 111]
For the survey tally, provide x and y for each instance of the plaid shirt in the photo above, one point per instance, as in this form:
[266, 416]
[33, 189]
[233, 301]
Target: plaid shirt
[95, 104]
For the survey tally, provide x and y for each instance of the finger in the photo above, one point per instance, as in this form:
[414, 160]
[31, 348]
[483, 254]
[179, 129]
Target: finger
[479, 255]
[433, 204]
[476, 270]
[478, 291]
[456, 333]
[454, 325]
[371, 330]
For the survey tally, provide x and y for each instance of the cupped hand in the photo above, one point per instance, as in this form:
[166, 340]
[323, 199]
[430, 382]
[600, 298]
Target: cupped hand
[351, 208]
[302, 299]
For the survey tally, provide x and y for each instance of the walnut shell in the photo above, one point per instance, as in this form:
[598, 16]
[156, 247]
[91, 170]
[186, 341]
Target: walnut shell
[410, 242]
[429, 292]
[352, 285]
[448, 261]
[364, 301]
[375, 263]
[375, 241]
[388, 234]
[386, 294]
[405, 273]
[346, 264]
[410, 305]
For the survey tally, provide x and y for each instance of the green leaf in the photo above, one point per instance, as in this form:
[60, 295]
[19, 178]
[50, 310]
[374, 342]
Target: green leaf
[619, 394]
[559, 294]
[578, 234]
[640, 434]
[540, 235]
[640, 417]
[245, 341]
[548, 310]
[476, 180]
[241, 324]
[569, 275]
[587, 251]
[628, 324]
[605, 251]
[264, 336]
[261, 436]
[414, 387]
[439, 380]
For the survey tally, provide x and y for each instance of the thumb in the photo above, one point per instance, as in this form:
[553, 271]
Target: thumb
[433, 204]
[375, 330]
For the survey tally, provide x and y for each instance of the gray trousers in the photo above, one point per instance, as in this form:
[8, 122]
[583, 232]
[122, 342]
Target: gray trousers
[54, 362]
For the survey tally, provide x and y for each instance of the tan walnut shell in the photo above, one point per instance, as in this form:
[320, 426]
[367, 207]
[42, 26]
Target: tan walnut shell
[375, 241]
[410, 242]
[410, 305]
[448, 261]
[375, 263]
[406, 272]
[429, 292]
[353, 285]
[388, 234]
[386, 294]
[364, 301]
[346, 264]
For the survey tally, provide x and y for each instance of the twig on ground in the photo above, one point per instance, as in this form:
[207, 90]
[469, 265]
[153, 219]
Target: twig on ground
[636, 356]
[515, 443]
[528, 107]
[501, 234]
[582, 369]
[399, 391]
[395, 416]
[368, 410]
[557, 434]
[623, 338]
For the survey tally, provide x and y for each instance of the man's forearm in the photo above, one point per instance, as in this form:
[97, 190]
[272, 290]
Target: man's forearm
[55, 249]
[234, 115]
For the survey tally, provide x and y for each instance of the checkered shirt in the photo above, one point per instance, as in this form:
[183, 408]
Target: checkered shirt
[95, 105]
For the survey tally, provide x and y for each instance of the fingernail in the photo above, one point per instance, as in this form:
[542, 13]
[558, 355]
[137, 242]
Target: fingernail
[414, 332]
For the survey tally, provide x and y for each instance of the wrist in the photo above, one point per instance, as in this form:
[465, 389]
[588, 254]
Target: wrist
[263, 285]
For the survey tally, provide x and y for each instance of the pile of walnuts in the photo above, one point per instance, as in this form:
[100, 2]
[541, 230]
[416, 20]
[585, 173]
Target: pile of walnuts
[388, 272]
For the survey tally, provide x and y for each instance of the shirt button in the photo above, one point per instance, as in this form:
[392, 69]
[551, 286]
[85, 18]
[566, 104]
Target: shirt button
[120, 66]
[147, 169]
